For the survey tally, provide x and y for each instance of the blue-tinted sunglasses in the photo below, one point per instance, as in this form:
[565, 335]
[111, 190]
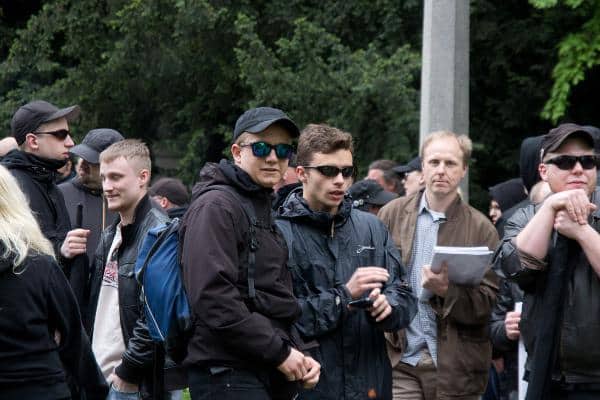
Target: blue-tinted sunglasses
[263, 149]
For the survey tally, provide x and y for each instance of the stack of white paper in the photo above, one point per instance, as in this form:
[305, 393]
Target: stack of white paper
[466, 265]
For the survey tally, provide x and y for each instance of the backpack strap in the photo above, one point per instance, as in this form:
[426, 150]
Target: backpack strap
[253, 244]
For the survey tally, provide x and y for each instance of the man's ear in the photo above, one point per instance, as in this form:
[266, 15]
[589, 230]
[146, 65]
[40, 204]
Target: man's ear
[31, 142]
[543, 171]
[301, 174]
[144, 177]
[236, 153]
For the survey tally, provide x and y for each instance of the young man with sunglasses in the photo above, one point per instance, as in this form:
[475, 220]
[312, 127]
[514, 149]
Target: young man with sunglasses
[242, 345]
[552, 250]
[346, 271]
[42, 134]
[445, 352]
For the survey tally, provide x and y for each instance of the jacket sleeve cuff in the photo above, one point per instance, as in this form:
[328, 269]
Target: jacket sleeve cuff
[129, 372]
[281, 355]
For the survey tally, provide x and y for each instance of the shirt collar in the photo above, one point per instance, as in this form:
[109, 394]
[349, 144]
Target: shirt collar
[423, 206]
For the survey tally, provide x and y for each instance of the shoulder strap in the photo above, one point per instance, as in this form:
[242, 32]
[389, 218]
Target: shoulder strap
[250, 213]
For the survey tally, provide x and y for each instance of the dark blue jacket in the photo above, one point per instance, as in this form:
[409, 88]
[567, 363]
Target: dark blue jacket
[325, 251]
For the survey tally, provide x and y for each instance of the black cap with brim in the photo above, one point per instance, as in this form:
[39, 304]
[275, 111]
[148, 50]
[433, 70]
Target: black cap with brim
[29, 117]
[555, 138]
[412, 165]
[368, 191]
[94, 143]
[258, 119]
[381, 198]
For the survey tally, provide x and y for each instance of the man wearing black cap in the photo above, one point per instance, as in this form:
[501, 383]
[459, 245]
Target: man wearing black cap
[553, 251]
[368, 195]
[171, 195]
[242, 345]
[86, 188]
[42, 134]
[413, 176]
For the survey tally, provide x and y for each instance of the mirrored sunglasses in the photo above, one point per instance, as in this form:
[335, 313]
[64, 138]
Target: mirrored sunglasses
[263, 149]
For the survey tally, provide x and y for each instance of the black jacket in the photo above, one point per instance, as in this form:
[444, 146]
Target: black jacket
[578, 352]
[325, 251]
[229, 329]
[36, 177]
[137, 360]
[35, 302]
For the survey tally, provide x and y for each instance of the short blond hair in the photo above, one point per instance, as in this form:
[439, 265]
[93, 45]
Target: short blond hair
[133, 150]
[465, 144]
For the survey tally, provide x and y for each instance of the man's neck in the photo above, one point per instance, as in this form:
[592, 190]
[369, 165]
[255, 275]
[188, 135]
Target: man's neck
[320, 207]
[128, 216]
[440, 203]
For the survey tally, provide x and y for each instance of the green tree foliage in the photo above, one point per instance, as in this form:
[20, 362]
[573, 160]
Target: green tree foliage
[578, 53]
[178, 73]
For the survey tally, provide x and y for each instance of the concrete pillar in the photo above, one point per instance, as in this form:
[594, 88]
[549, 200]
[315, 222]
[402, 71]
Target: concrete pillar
[445, 70]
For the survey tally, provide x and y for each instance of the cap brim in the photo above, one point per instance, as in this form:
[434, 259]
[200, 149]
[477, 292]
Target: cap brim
[286, 122]
[402, 169]
[86, 152]
[382, 198]
[70, 113]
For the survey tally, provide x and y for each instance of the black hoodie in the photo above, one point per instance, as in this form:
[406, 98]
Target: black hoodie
[229, 329]
[35, 302]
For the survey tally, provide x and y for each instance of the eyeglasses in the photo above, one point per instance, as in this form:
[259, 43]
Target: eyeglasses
[60, 134]
[332, 171]
[263, 149]
[568, 162]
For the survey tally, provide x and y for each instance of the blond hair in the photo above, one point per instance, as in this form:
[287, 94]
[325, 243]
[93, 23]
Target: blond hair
[465, 144]
[20, 232]
[133, 150]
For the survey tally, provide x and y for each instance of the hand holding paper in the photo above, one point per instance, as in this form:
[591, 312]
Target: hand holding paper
[435, 282]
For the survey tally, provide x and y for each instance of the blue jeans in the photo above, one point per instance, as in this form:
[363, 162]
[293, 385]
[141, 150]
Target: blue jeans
[114, 394]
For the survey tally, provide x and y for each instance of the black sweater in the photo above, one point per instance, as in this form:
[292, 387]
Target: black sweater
[35, 302]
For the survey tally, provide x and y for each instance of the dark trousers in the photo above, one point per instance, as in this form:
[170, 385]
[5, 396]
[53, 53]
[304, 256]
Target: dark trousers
[565, 391]
[222, 383]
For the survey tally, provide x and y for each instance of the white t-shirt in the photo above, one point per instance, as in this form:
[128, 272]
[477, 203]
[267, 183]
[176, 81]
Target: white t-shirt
[108, 344]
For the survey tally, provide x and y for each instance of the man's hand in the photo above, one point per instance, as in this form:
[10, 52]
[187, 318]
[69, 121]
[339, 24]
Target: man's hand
[366, 278]
[511, 324]
[566, 226]
[380, 308]
[75, 243]
[123, 386]
[293, 367]
[435, 282]
[575, 202]
[313, 369]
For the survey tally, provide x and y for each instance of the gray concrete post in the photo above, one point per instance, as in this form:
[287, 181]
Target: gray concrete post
[445, 70]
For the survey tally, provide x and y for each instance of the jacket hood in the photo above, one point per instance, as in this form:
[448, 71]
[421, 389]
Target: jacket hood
[529, 160]
[508, 193]
[296, 208]
[227, 173]
[42, 169]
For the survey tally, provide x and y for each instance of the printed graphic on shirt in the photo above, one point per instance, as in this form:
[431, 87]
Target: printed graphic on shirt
[110, 277]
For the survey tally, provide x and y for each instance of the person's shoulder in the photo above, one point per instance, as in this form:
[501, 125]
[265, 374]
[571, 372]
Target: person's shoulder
[217, 198]
[398, 205]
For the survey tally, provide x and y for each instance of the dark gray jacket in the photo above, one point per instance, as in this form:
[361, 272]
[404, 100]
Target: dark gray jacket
[578, 352]
[325, 251]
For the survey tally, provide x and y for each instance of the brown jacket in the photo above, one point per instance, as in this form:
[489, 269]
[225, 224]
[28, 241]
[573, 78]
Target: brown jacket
[464, 348]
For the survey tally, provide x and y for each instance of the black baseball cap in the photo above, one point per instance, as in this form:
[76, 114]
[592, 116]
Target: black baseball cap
[33, 114]
[555, 137]
[258, 119]
[94, 143]
[412, 165]
[369, 191]
[171, 188]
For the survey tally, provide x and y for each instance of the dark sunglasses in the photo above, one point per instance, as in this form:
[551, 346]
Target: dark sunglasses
[60, 134]
[331, 171]
[263, 149]
[568, 162]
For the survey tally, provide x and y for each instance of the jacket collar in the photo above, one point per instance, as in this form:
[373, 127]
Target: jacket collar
[129, 231]
[295, 207]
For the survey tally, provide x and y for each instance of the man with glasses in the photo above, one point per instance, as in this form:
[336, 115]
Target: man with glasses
[42, 134]
[552, 250]
[445, 352]
[346, 271]
[242, 345]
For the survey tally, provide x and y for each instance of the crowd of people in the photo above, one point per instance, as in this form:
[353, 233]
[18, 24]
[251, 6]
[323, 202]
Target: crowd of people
[302, 281]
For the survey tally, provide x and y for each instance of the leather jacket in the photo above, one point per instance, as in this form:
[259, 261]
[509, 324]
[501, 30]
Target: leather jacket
[137, 360]
[579, 326]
